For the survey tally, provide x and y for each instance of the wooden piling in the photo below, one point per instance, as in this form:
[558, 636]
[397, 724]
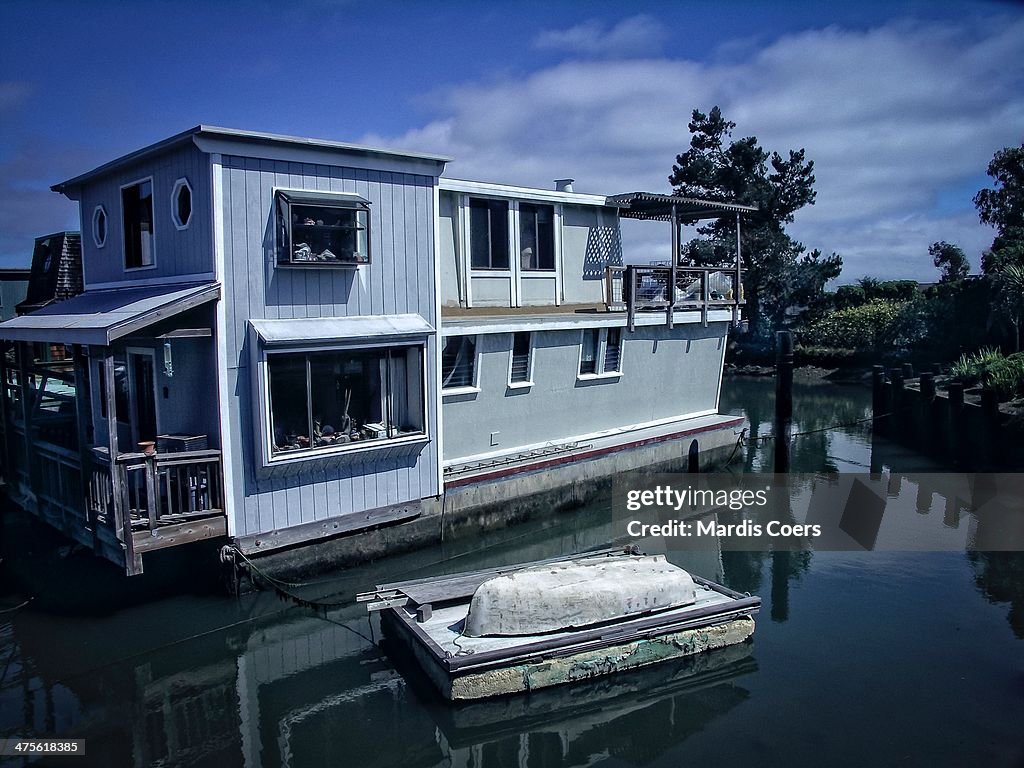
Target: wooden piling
[908, 370]
[783, 399]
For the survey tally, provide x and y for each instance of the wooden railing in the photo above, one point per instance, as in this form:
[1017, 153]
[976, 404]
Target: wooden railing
[636, 288]
[157, 489]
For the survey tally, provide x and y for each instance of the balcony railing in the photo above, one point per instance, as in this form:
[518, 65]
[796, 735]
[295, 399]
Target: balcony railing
[635, 288]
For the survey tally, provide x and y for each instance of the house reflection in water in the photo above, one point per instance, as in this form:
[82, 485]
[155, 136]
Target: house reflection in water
[311, 691]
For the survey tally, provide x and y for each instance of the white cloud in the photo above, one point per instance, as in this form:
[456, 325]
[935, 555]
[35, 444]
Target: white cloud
[896, 119]
[635, 35]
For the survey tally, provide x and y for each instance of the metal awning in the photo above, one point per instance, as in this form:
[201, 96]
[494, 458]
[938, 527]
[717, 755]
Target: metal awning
[324, 330]
[101, 317]
[323, 198]
[651, 206]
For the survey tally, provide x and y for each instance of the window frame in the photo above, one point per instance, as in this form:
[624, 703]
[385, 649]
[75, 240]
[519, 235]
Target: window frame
[180, 184]
[599, 361]
[473, 388]
[528, 382]
[284, 256]
[265, 432]
[491, 268]
[98, 211]
[124, 221]
[536, 234]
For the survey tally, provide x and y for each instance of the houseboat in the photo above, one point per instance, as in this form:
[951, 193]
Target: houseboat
[283, 342]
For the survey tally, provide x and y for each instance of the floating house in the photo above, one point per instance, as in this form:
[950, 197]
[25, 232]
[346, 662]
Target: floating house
[283, 341]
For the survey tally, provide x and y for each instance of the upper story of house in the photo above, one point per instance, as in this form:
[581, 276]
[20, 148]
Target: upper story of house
[302, 228]
[510, 247]
[331, 228]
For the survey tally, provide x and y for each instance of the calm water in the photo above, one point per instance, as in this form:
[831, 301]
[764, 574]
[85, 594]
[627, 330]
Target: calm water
[858, 659]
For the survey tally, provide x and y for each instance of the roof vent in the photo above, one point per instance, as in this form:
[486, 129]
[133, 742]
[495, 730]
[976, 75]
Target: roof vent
[564, 185]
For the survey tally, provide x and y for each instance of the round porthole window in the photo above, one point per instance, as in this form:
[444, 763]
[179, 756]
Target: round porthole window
[99, 226]
[181, 203]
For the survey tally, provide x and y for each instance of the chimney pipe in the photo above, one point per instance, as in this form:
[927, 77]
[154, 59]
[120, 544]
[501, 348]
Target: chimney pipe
[564, 185]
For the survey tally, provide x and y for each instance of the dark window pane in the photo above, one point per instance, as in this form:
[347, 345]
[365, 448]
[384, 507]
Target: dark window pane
[183, 205]
[353, 396]
[613, 350]
[327, 235]
[457, 361]
[520, 357]
[536, 236]
[137, 209]
[588, 355]
[289, 404]
[488, 234]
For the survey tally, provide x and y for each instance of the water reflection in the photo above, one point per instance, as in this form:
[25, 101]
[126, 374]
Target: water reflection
[215, 682]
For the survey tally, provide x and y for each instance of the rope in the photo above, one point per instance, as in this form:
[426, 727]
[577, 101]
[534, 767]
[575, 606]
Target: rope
[17, 607]
[281, 588]
[765, 438]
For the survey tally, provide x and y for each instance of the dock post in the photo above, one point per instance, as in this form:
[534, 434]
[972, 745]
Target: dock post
[992, 434]
[924, 413]
[908, 371]
[897, 400]
[955, 424]
[783, 399]
[879, 406]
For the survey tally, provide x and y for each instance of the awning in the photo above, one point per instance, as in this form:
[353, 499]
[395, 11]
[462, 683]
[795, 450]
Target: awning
[324, 330]
[101, 317]
[323, 198]
[648, 205]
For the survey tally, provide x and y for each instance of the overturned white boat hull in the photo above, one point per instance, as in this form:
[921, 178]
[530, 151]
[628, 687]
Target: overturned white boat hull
[428, 619]
[576, 594]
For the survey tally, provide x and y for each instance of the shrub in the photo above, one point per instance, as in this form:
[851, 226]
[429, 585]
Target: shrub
[876, 325]
[987, 367]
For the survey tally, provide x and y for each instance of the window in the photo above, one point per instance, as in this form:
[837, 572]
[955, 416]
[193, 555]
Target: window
[99, 226]
[458, 362]
[137, 215]
[588, 354]
[613, 350]
[601, 352]
[536, 236]
[122, 401]
[488, 234]
[519, 373]
[322, 229]
[181, 204]
[346, 397]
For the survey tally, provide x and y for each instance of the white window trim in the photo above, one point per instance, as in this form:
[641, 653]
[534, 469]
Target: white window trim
[261, 405]
[600, 373]
[178, 185]
[474, 388]
[515, 274]
[99, 209]
[529, 363]
[124, 245]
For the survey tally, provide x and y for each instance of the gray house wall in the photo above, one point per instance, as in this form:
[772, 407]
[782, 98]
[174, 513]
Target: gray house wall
[666, 374]
[178, 252]
[12, 293]
[590, 242]
[399, 279]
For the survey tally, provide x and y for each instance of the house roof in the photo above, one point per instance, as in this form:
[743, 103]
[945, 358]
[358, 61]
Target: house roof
[195, 134]
[56, 271]
[101, 317]
[652, 206]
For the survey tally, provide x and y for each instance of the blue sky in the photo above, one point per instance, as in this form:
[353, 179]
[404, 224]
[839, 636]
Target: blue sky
[900, 105]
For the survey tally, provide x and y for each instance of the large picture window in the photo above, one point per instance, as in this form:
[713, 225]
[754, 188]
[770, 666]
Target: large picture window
[137, 217]
[326, 400]
[488, 234]
[321, 229]
[536, 236]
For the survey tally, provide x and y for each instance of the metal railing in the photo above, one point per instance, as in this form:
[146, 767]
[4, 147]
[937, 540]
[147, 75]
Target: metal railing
[637, 288]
